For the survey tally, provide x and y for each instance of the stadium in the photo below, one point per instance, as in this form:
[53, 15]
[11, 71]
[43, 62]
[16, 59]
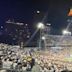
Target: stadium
[53, 53]
[36, 36]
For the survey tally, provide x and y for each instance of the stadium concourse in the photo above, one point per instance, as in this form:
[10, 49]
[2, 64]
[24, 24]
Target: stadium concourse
[14, 59]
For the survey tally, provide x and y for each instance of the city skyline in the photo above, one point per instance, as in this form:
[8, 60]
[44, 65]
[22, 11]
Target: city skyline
[31, 12]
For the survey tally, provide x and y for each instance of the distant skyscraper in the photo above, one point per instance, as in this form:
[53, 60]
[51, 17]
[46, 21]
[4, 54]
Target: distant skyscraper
[69, 26]
[19, 32]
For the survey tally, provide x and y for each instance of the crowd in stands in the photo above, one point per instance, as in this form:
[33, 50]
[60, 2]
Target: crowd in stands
[21, 60]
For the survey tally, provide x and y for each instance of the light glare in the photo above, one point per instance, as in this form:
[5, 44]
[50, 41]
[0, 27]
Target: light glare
[40, 26]
[66, 32]
[43, 38]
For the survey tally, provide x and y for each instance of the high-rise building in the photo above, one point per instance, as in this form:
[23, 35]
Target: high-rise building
[69, 26]
[70, 12]
[19, 32]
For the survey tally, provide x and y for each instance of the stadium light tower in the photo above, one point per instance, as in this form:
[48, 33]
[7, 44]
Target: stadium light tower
[40, 26]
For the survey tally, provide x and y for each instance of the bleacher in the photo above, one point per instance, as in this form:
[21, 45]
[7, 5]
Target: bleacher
[58, 41]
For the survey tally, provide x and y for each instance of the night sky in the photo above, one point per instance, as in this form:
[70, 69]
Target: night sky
[54, 12]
